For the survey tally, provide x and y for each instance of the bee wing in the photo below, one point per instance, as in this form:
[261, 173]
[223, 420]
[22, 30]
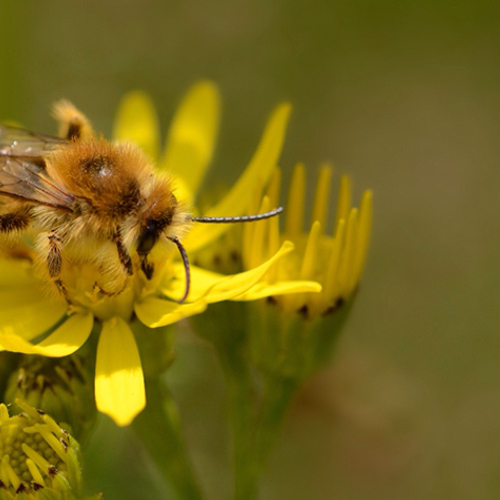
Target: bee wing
[26, 179]
[22, 169]
[20, 142]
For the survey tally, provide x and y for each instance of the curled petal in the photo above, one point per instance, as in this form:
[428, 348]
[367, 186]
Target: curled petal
[26, 313]
[65, 340]
[213, 287]
[155, 312]
[262, 290]
[258, 171]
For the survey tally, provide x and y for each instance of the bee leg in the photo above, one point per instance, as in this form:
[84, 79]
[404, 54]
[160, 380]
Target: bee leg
[54, 262]
[147, 267]
[73, 124]
[109, 294]
[14, 221]
[123, 254]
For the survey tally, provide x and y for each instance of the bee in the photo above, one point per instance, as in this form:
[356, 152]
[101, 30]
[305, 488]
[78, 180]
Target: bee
[81, 191]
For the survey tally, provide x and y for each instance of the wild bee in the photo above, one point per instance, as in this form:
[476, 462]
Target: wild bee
[80, 192]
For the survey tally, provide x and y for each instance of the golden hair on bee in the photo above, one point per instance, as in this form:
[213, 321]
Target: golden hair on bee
[73, 124]
[111, 176]
[90, 199]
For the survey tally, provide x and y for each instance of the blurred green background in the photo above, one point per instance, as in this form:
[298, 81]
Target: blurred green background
[402, 95]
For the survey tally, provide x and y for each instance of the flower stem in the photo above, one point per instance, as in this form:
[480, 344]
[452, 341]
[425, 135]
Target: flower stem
[254, 436]
[277, 397]
[159, 428]
[240, 406]
[224, 327]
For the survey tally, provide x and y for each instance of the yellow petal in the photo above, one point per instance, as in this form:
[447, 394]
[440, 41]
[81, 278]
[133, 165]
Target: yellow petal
[28, 318]
[119, 381]
[321, 196]
[261, 290]
[331, 288]
[345, 275]
[136, 121]
[201, 280]
[65, 340]
[192, 137]
[18, 297]
[364, 231]
[218, 287]
[310, 259]
[259, 170]
[344, 200]
[155, 312]
[256, 254]
[15, 273]
[296, 202]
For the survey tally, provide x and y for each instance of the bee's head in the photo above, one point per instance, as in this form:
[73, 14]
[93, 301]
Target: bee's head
[150, 232]
[147, 239]
[160, 216]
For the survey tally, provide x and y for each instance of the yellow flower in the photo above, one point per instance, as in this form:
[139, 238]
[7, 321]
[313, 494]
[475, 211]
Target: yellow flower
[33, 322]
[39, 459]
[292, 335]
[62, 387]
[335, 260]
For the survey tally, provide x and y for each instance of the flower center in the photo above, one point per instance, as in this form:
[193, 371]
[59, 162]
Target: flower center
[32, 450]
[107, 294]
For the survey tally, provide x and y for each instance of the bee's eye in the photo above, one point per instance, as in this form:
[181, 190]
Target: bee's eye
[147, 238]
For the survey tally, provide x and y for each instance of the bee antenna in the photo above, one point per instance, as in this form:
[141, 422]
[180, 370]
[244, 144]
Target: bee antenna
[240, 218]
[185, 261]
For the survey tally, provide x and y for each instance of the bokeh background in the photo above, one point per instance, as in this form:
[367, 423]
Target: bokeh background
[402, 95]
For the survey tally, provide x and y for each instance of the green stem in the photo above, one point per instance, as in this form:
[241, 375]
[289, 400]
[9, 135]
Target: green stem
[224, 326]
[159, 428]
[254, 438]
[276, 401]
[240, 408]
